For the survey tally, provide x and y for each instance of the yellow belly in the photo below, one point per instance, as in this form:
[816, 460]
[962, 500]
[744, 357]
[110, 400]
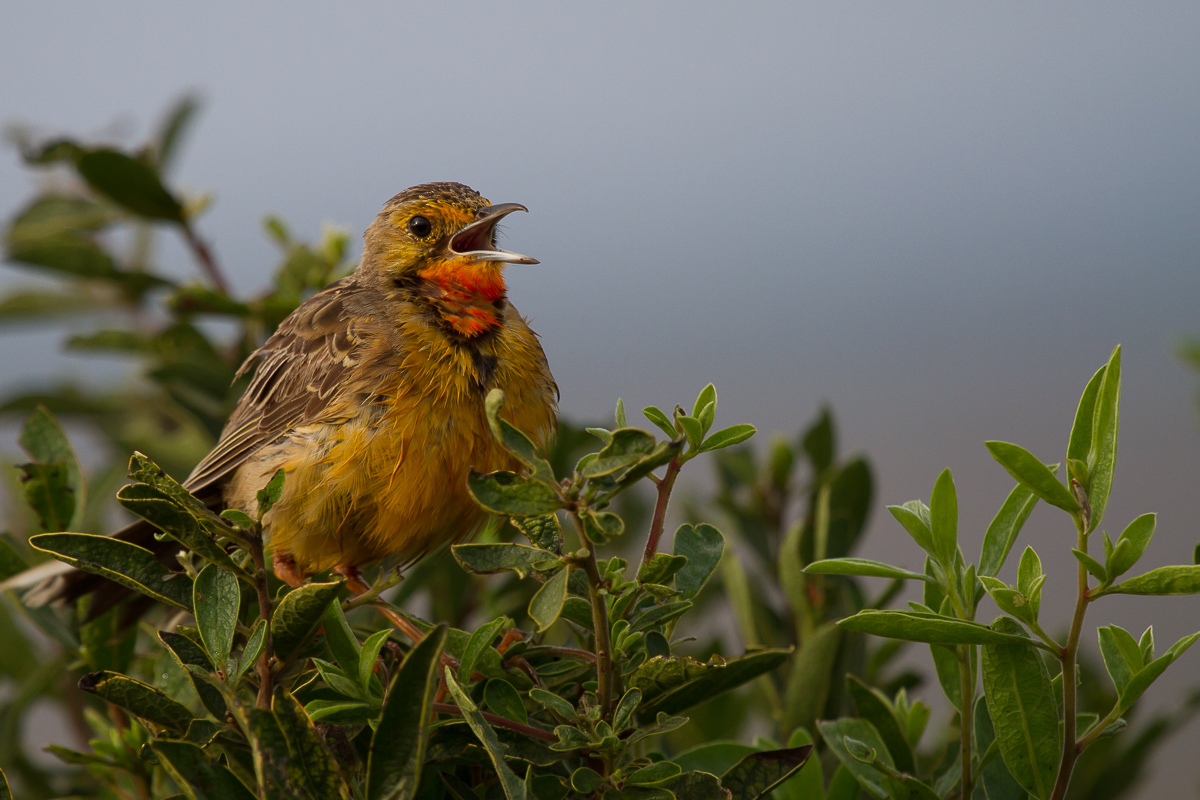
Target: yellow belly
[389, 476]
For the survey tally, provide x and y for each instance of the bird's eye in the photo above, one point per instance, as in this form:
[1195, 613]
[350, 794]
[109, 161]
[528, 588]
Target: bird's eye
[419, 227]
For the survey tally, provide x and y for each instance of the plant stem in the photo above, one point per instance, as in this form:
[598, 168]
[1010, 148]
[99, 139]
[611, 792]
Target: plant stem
[1067, 656]
[205, 257]
[604, 667]
[966, 717]
[528, 730]
[265, 687]
[660, 507]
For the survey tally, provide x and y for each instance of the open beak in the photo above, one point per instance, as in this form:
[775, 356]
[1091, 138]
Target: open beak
[477, 239]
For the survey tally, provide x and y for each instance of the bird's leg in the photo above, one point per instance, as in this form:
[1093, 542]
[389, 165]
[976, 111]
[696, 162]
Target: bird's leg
[284, 566]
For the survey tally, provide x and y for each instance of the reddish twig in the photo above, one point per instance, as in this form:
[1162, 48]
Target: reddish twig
[528, 730]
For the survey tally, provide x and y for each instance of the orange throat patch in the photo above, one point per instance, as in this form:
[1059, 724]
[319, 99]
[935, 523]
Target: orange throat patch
[470, 298]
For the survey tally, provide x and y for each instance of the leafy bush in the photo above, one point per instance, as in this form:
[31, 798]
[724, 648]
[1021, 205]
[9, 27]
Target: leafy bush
[537, 668]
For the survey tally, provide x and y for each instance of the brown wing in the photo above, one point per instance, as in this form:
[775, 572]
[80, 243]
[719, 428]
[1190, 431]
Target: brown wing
[299, 372]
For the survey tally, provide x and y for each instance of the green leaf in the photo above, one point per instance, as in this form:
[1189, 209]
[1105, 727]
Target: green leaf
[1094, 567]
[727, 437]
[918, 626]
[368, 656]
[628, 446]
[486, 558]
[695, 786]
[121, 562]
[1119, 667]
[715, 682]
[310, 766]
[509, 493]
[835, 733]
[661, 674]
[623, 715]
[139, 699]
[515, 441]
[943, 518]
[660, 420]
[1142, 679]
[480, 641]
[914, 517]
[1021, 700]
[44, 440]
[193, 770]
[514, 787]
[585, 781]
[873, 706]
[1031, 472]
[1138, 535]
[216, 599]
[1146, 645]
[129, 183]
[862, 566]
[188, 655]
[703, 546]
[183, 522]
[398, 745]
[997, 781]
[543, 532]
[843, 785]
[547, 603]
[341, 640]
[503, 700]
[1179, 579]
[602, 526]
[693, 429]
[1081, 430]
[269, 495]
[250, 654]
[48, 492]
[298, 616]
[553, 702]
[1102, 454]
[660, 567]
[810, 680]
[655, 774]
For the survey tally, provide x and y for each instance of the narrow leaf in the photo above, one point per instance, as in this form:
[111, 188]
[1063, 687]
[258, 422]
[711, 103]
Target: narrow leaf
[1179, 579]
[862, 566]
[943, 518]
[121, 562]
[514, 787]
[1031, 472]
[917, 626]
[1004, 528]
[1102, 455]
[310, 764]
[735, 434]
[139, 699]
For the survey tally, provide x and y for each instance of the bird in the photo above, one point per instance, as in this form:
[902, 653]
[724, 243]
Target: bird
[370, 398]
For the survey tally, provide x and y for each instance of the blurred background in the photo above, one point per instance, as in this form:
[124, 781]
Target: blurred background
[937, 219]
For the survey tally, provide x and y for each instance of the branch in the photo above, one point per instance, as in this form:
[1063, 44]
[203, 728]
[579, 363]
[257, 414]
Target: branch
[265, 681]
[660, 508]
[205, 257]
[528, 730]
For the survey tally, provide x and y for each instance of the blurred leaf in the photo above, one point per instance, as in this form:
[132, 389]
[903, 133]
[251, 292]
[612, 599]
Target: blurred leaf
[695, 786]
[1180, 579]
[509, 493]
[843, 785]
[129, 183]
[310, 766]
[810, 680]
[121, 562]
[399, 743]
[514, 788]
[835, 732]
[1102, 455]
[191, 769]
[26, 307]
[703, 546]
[547, 604]
[486, 558]
[918, 626]
[1019, 694]
[48, 492]
[298, 616]
[44, 440]
[144, 702]
[174, 126]
[861, 566]
[216, 599]
[871, 705]
[819, 442]
[1031, 472]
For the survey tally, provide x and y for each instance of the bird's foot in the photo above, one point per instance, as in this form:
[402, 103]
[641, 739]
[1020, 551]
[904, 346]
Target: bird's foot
[354, 581]
[284, 565]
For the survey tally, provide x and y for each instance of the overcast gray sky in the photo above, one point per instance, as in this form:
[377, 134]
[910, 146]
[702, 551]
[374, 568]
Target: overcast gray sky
[938, 217]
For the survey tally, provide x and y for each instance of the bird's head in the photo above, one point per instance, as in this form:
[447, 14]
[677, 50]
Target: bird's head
[439, 239]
